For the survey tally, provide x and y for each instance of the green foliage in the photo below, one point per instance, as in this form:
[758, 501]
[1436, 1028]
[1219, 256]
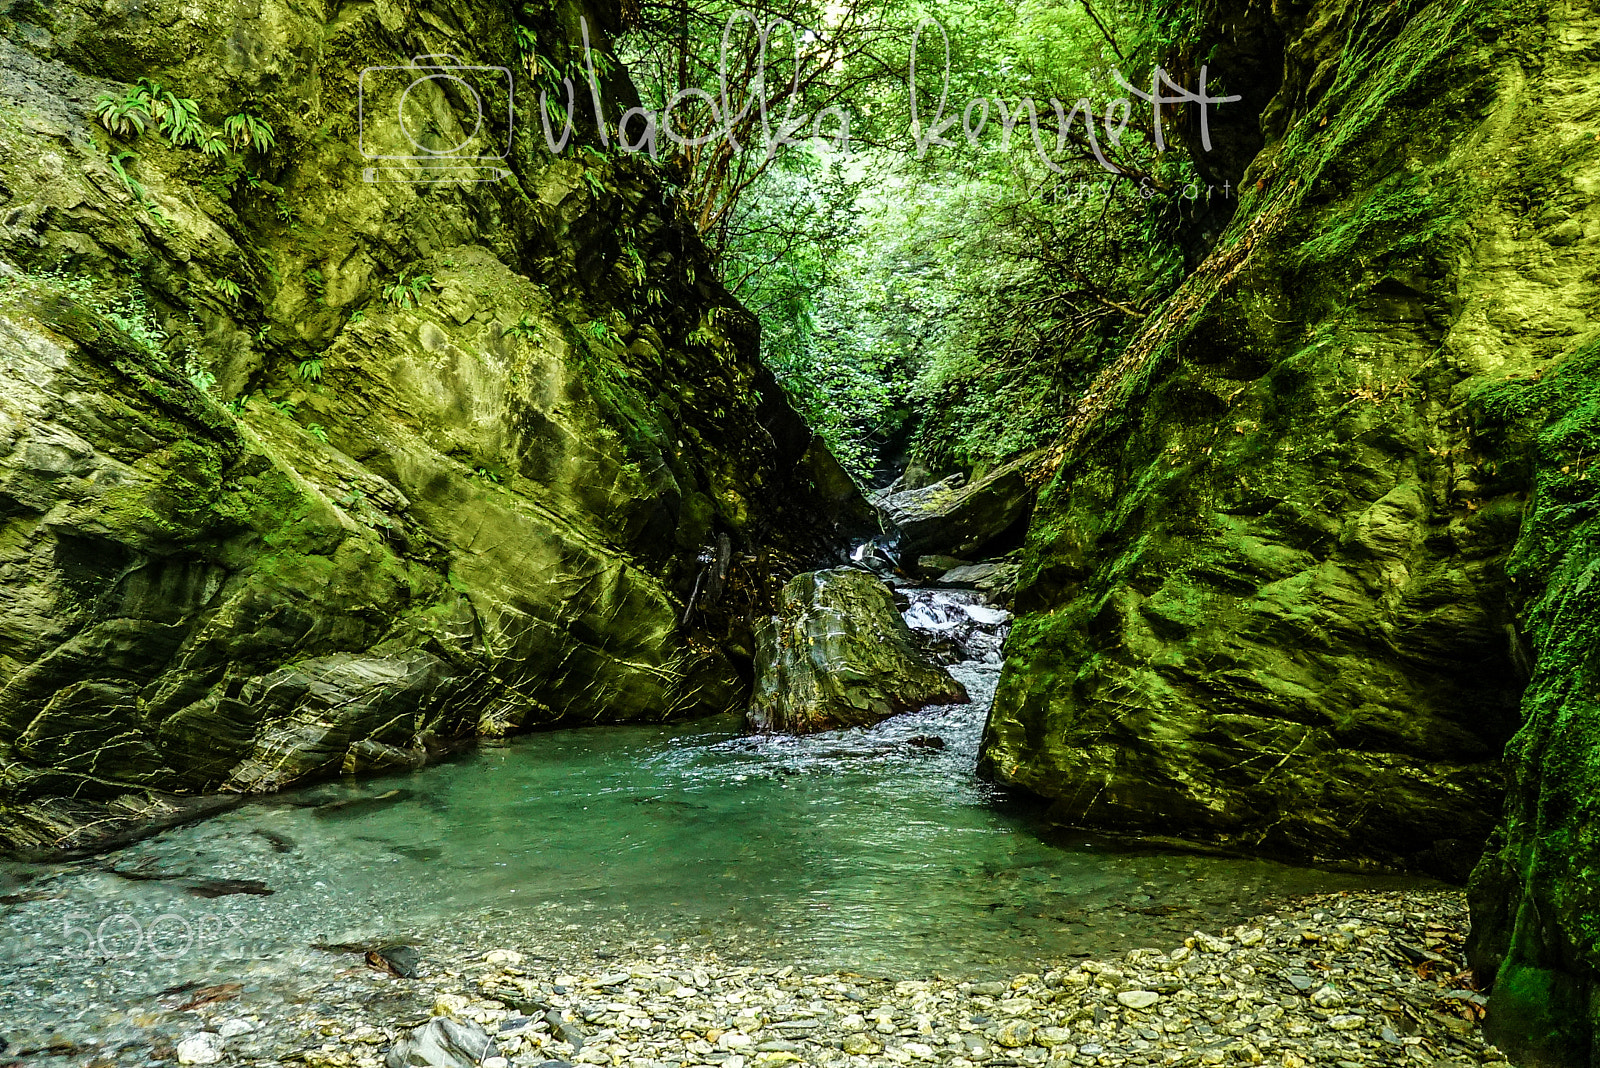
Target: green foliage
[149, 103]
[310, 370]
[523, 328]
[202, 378]
[248, 132]
[963, 300]
[408, 292]
[127, 310]
[317, 431]
[119, 166]
[127, 116]
[276, 199]
[632, 261]
[843, 367]
[180, 119]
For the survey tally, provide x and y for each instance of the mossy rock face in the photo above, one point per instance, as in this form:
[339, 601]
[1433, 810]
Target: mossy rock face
[961, 518]
[457, 487]
[1288, 594]
[1535, 896]
[839, 654]
[1264, 599]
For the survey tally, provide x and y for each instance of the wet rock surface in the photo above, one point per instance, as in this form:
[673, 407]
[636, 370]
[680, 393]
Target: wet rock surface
[1337, 980]
[955, 517]
[1265, 598]
[839, 654]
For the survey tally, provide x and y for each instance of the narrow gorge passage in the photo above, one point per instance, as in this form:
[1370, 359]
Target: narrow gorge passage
[668, 534]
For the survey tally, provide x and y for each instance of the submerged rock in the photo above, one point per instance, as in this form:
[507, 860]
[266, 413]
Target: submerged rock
[203, 1047]
[838, 654]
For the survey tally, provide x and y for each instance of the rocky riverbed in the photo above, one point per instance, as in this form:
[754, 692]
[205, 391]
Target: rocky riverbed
[1353, 978]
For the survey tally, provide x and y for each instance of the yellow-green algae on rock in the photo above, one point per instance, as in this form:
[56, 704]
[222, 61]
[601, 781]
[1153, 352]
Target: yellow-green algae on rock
[1287, 587]
[302, 473]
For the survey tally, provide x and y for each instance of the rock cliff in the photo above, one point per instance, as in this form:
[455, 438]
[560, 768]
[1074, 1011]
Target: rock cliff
[1266, 590]
[1313, 532]
[301, 472]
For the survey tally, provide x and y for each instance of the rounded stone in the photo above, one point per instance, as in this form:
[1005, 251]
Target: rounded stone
[1015, 1033]
[1138, 999]
[861, 1044]
[204, 1047]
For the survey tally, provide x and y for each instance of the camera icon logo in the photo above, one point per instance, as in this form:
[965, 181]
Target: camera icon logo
[435, 120]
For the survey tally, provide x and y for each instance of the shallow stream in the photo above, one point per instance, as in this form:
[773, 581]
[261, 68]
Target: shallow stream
[873, 851]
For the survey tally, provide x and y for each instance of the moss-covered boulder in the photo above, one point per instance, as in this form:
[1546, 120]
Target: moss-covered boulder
[1264, 598]
[958, 517]
[302, 472]
[839, 654]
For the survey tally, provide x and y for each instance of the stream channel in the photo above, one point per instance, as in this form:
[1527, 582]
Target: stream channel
[873, 851]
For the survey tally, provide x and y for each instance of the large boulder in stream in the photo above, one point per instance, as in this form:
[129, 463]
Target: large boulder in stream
[326, 473]
[839, 654]
[956, 517]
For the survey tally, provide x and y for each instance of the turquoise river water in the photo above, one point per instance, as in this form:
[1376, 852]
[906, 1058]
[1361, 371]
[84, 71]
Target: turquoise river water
[857, 850]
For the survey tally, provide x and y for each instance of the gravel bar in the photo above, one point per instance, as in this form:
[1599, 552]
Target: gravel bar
[1354, 978]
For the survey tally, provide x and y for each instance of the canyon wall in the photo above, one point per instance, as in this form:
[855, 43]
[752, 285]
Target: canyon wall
[1313, 533]
[302, 472]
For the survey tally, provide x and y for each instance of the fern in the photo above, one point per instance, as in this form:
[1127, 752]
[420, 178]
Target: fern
[244, 131]
[126, 117]
[132, 184]
[408, 294]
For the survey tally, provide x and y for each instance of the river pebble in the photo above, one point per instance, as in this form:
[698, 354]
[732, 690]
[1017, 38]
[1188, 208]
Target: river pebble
[1221, 998]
